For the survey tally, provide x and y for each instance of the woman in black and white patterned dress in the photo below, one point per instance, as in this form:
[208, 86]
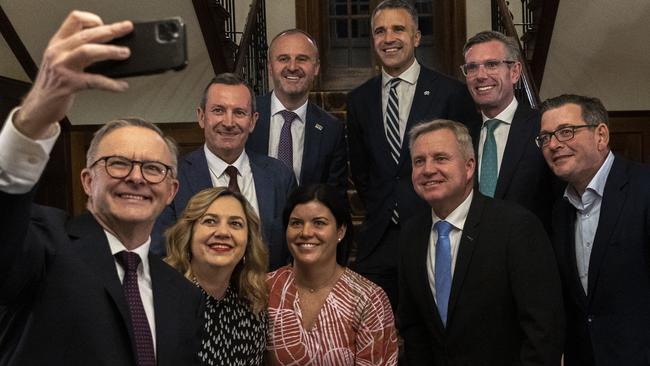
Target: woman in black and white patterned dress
[217, 243]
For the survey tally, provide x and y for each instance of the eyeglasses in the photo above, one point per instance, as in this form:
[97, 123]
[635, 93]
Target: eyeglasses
[119, 167]
[561, 134]
[490, 66]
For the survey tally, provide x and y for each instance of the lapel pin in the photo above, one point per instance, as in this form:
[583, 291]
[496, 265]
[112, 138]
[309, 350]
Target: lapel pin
[426, 92]
[319, 127]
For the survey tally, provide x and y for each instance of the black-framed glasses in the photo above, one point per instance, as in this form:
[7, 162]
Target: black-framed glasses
[490, 66]
[119, 167]
[562, 134]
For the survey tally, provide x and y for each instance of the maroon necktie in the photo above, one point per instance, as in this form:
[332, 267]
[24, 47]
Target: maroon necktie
[285, 148]
[232, 183]
[141, 331]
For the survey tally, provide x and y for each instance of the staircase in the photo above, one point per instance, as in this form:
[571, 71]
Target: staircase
[534, 35]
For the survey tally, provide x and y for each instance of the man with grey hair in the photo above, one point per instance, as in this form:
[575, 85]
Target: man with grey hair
[510, 166]
[600, 235]
[227, 116]
[306, 138]
[87, 292]
[478, 281]
[380, 113]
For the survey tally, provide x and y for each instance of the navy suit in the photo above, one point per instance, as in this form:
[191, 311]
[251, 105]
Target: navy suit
[61, 300]
[610, 325]
[324, 157]
[524, 177]
[273, 183]
[505, 306]
[378, 181]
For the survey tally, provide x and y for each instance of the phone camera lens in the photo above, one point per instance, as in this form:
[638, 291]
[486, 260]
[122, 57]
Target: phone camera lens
[168, 32]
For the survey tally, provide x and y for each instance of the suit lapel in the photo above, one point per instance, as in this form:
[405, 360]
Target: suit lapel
[91, 244]
[425, 94]
[263, 186]
[260, 138]
[567, 219]
[421, 251]
[198, 173]
[468, 241]
[165, 303]
[375, 126]
[520, 136]
[313, 136]
[614, 197]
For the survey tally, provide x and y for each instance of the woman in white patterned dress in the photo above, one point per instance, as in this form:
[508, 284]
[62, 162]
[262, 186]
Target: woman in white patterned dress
[320, 312]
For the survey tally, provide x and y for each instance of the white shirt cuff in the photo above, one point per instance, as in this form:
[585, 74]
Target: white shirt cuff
[22, 160]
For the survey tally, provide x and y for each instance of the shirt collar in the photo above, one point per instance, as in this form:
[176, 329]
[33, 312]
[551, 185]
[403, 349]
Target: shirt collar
[277, 107]
[218, 166]
[457, 217]
[596, 185]
[409, 75]
[116, 246]
[506, 115]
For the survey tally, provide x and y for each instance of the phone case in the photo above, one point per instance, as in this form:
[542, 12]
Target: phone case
[156, 46]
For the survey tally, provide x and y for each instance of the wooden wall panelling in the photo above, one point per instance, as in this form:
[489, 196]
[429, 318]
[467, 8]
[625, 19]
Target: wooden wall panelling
[188, 136]
[630, 134]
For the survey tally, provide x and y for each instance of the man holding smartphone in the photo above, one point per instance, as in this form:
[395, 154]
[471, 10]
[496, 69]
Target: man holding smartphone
[86, 292]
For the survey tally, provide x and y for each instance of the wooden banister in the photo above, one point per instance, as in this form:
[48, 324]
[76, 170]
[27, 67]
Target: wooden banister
[527, 82]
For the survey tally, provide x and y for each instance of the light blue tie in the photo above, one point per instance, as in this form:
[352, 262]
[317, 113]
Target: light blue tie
[488, 178]
[442, 275]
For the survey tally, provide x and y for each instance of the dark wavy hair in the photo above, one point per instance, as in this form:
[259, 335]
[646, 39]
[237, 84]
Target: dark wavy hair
[331, 199]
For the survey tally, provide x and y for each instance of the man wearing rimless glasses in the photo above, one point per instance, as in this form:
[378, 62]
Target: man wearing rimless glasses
[510, 166]
[600, 235]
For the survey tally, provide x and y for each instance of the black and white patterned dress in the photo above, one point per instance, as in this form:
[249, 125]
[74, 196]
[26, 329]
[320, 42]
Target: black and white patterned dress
[233, 334]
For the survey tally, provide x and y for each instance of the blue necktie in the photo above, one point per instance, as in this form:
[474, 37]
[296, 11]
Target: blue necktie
[285, 147]
[488, 179]
[443, 268]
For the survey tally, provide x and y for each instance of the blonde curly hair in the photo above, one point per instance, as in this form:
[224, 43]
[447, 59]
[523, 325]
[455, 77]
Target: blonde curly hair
[249, 276]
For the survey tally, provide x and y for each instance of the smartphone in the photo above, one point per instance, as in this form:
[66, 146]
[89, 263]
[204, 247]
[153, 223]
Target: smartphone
[156, 46]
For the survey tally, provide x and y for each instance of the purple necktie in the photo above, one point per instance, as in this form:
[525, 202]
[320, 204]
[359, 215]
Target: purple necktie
[285, 148]
[232, 183]
[141, 331]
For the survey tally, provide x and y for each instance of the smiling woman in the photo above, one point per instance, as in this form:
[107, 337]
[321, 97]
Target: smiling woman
[319, 311]
[217, 244]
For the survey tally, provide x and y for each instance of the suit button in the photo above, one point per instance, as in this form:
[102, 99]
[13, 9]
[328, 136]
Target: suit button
[590, 319]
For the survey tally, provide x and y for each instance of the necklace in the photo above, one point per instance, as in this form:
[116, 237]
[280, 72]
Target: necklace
[328, 283]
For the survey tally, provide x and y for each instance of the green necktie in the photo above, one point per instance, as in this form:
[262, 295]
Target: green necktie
[488, 177]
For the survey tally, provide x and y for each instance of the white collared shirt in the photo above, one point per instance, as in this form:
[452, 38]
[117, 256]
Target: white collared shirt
[144, 277]
[500, 132]
[405, 93]
[587, 215]
[297, 132]
[22, 160]
[245, 179]
[457, 220]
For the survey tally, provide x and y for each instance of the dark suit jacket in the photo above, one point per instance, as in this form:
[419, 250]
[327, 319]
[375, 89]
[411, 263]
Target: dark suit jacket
[324, 157]
[62, 302]
[273, 183]
[378, 181]
[524, 176]
[612, 324]
[505, 303]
